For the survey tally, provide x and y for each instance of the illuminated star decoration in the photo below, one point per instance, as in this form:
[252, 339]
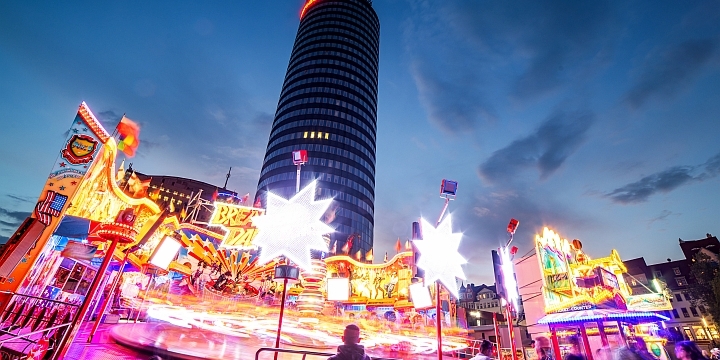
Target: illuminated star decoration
[292, 227]
[439, 256]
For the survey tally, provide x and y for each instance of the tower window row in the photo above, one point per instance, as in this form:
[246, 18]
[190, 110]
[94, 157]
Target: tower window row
[339, 112]
[334, 13]
[329, 149]
[337, 195]
[302, 61]
[338, 179]
[349, 29]
[322, 32]
[360, 173]
[335, 90]
[332, 93]
[332, 137]
[329, 49]
[289, 81]
[325, 123]
[341, 39]
[343, 8]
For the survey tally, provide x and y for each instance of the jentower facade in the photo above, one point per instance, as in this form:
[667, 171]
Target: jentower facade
[328, 106]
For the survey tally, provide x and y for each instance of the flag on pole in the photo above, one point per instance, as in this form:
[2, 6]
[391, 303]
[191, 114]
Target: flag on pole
[334, 248]
[128, 136]
[369, 255]
[407, 245]
[215, 195]
[348, 245]
[398, 246]
[358, 255]
[245, 199]
[386, 257]
[172, 205]
[345, 249]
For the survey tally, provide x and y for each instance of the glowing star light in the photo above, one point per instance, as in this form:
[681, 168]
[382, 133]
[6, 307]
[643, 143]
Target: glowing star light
[292, 227]
[439, 256]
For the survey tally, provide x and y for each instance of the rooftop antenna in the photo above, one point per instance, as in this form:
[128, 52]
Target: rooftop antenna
[227, 177]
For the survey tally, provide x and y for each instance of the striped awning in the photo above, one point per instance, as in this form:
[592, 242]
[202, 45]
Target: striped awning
[602, 315]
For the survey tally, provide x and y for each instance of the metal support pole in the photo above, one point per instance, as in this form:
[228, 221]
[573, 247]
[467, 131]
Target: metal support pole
[297, 179]
[109, 298]
[586, 342]
[555, 342]
[513, 348]
[623, 336]
[438, 324]
[442, 213]
[282, 311]
[497, 332]
[603, 335]
[147, 290]
[71, 332]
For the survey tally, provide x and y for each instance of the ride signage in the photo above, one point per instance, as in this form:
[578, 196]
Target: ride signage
[236, 220]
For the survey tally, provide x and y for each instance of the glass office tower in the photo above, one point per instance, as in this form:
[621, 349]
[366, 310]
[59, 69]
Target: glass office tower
[328, 106]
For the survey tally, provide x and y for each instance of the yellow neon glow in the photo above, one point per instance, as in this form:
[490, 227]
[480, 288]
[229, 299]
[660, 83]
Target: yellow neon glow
[236, 221]
[100, 199]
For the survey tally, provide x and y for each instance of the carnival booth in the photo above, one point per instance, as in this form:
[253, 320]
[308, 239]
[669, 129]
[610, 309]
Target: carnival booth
[589, 298]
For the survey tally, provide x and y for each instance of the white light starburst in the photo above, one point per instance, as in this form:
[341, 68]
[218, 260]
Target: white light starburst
[439, 256]
[292, 227]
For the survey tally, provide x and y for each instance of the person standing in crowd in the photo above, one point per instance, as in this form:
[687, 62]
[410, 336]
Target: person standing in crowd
[688, 350]
[640, 347]
[485, 351]
[542, 348]
[575, 353]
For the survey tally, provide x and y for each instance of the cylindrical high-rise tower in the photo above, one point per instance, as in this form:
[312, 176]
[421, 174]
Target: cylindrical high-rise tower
[328, 106]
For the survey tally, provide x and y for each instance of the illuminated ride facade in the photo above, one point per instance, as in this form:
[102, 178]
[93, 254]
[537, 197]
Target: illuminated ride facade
[204, 276]
[590, 298]
[328, 106]
[81, 226]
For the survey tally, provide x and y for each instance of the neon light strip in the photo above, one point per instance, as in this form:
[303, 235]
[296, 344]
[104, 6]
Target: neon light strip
[93, 123]
[370, 266]
[308, 4]
[637, 316]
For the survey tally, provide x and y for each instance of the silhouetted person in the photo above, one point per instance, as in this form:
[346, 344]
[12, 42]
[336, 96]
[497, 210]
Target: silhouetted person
[485, 351]
[688, 350]
[542, 348]
[640, 347]
[351, 350]
[574, 353]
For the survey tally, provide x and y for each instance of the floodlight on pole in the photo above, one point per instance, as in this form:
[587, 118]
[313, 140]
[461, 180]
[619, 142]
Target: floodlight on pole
[440, 260]
[300, 157]
[509, 283]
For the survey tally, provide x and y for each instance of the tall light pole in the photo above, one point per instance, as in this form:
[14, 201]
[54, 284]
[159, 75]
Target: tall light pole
[288, 271]
[509, 282]
[439, 257]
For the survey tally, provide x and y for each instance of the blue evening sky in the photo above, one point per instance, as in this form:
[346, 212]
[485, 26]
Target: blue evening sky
[598, 119]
